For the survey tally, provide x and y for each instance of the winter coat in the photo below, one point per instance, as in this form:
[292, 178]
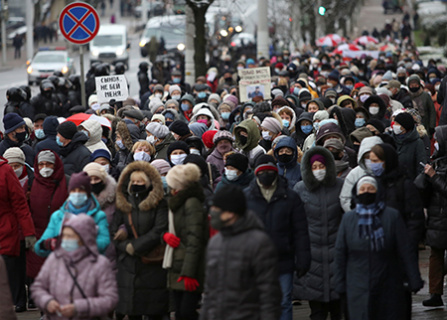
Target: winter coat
[191, 226]
[161, 149]
[14, 212]
[242, 181]
[245, 286]
[92, 271]
[382, 109]
[47, 195]
[299, 135]
[130, 134]
[27, 150]
[251, 149]
[424, 104]
[75, 155]
[50, 130]
[57, 218]
[404, 98]
[357, 172]
[142, 287]
[411, 152]
[324, 213]
[95, 134]
[291, 170]
[373, 281]
[6, 304]
[217, 159]
[285, 221]
[442, 100]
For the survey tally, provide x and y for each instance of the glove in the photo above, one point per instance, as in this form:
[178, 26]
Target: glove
[49, 244]
[130, 249]
[120, 234]
[171, 240]
[301, 272]
[30, 241]
[191, 284]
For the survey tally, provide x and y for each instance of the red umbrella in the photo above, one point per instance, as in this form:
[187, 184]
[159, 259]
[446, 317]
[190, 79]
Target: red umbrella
[365, 40]
[331, 40]
[78, 118]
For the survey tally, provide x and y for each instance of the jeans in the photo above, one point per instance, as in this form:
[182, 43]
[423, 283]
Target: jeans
[286, 283]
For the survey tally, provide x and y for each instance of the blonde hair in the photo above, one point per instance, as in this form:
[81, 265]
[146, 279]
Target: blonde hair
[144, 144]
[136, 175]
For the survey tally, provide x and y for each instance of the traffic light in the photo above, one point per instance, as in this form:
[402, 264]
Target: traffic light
[321, 10]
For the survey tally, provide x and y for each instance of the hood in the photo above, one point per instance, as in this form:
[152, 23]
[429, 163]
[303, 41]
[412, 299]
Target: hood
[206, 112]
[253, 134]
[153, 198]
[289, 143]
[249, 221]
[349, 118]
[174, 112]
[293, 121]
[85, 227]
[318, 102]
[305, 116]
[109, 193]
[200, 106]
[306, 169]
[95, 130]
[366, 146]
[441, 137]
[380, 102]
[58, 173]
[129, 134]
[50, 125]
[391, 158]
[344, 98]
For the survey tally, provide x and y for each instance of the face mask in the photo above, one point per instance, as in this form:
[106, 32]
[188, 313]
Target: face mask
[98, 187]
[296, 91]
[266, 135]
[397, 129]
[86, 133]
[401, 79]
[59, 142]
[47, 94]
[46, 172]
[303, 105]
[324, 73]
[319, 174]
[436, 145]
[151, 139]
[141, 156]
[176, 97]
[366, 198]
[106, 167]
[336, 155]
[120, 144]
[285, 158]
[224, 148]
[194, 151]
[374, 110]
[332, 100]
[215, 221]
[168, 123]
[414, 89]
[165, 183]
[306, 129]
[184, 106]
[78, 198]
[350, 87]
[136, 188]
[277, 70]
[243, 140]
[377, 168]
[240, 68]
[316, 126]
[19, 172]
[104, 140]
[363, 98]
[39, 134]
[201, 95]
[437, 87]
[176, 80]
[69, 245]
[21, 136]
[231, 174]
[177, 159]
[158, 95]
[225, 115]
[285, 123]
[359, 122]
[202, 121]
[267, 178]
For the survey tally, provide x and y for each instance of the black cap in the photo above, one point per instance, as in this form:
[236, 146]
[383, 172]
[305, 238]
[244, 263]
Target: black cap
[238, 161]
[230, 198]
[67, 129]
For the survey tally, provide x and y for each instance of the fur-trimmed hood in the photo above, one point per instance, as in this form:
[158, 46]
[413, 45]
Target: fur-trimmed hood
[306, 169]
[122, 193]
[107, 195]
[129, 134]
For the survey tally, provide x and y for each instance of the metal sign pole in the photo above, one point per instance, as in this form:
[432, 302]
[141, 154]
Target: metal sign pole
[83, 100]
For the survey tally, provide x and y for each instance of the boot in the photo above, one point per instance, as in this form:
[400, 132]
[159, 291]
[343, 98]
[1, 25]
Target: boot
[434, 301]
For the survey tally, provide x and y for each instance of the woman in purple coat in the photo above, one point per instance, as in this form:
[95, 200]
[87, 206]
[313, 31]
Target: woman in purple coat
[76, 282]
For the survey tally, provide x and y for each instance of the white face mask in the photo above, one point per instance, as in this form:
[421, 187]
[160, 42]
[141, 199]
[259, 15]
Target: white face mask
[319, 174]
[397, 129]
[177, 159]
[151, 139]
[368, 164]
[141, 156]
[436, 145]
[374, 110]
[176, 97]
[231, 174]
[19, 171]
[194, 151]
[266, 135]
[106, 167]
[158, 95]
[364, 97]
[437, 87]
[46, 172]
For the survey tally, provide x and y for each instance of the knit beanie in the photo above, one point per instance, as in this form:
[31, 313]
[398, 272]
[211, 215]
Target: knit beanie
[14, 155]
[171, 101]
[230, 198]
[12, 121]
[272, 125]
[96, 170]
[214, 96]
[155, 104]
[319, 158]
[208, 137]
[334, 143]
[366, 179]
[405, 120]
[159, 117]
[80, 180]
[178, 145]
[100, 153]
[222, 135]
[265, 162]
[181, 176]
[173, 88]
[161, 165]
[198, 129]
[157, 129]
[237, 160]
[67, 129]
[179, 127]
[47, 156]
[232, 99]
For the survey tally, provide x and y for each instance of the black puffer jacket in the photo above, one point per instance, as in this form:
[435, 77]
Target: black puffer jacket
[75, 155]
[324, 214]
[250, 275]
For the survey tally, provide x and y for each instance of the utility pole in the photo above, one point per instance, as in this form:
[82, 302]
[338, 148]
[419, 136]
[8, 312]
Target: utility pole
[263, 33]
[29, 29]
[3, 28]
[190, 76]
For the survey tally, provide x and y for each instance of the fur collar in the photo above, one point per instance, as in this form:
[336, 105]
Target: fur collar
[195, 190]
[108, 194]
[122, 129]
[306, 169]
[154, 197]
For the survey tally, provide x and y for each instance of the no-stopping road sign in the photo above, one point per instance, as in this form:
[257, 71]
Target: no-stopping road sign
[79, 22]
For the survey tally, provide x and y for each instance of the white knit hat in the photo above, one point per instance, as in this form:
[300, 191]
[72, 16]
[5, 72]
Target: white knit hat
[14, 155]
[180, 176]
[97, 170]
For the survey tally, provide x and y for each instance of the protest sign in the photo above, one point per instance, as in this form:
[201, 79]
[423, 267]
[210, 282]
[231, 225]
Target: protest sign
[111, 87]
[254, 82]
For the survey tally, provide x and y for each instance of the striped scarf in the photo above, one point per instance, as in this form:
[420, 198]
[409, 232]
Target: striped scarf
[370, 225]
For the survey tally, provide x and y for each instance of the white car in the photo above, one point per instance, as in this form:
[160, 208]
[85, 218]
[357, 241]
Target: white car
[46, 62]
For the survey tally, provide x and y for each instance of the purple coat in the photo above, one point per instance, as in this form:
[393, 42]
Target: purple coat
[93, 273]
[216, 158]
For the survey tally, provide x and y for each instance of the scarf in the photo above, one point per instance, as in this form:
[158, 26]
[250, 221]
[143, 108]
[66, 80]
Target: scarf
[370, 225]
[169, 252]
[83, 209]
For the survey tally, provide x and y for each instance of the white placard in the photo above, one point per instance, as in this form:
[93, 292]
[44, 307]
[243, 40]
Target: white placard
[111, 87]
[254, 82]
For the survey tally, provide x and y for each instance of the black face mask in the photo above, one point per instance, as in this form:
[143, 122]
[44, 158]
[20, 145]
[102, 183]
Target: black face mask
[136, 188]
[98, 187]
[367, 198]
[243, 140]
[414, 89]
[216, 222]
[336, 155]
[229, 79]
[168, 123]
[267, 178]
[21, 136]
[285, 158]
[401, 79]
[47, 94]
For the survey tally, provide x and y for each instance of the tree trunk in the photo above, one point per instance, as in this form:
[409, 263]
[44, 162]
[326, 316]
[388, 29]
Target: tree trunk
[200, 42]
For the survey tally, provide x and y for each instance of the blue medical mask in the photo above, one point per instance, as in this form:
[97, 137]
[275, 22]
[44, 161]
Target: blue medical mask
[350, 87]
[184, 106]
[201, 95]
[59, 142]
[86, 133]
[296, 91]
[165, 183]
[78, 199]
[377, 168]
[141, 156]
[225, 115]
[307, 128]
[120, 144]
[359, 122]
[176, 80]
[69, 245]
[316, 126]
[39, 134]
[285, 123]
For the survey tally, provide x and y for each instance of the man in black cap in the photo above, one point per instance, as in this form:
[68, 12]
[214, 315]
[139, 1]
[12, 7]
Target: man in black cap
[245, 286]
[180, 130]
[177, 78]
[282, 212]
[137, 117]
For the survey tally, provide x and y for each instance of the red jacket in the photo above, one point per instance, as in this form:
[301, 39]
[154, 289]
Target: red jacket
[14, 211]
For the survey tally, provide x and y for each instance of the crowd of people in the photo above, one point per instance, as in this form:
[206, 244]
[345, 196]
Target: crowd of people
[187, 200]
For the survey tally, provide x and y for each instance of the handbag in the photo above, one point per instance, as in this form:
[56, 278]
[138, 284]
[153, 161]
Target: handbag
[156, 256]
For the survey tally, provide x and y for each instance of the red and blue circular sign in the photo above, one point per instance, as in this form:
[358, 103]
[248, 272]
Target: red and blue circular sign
[79, 22]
